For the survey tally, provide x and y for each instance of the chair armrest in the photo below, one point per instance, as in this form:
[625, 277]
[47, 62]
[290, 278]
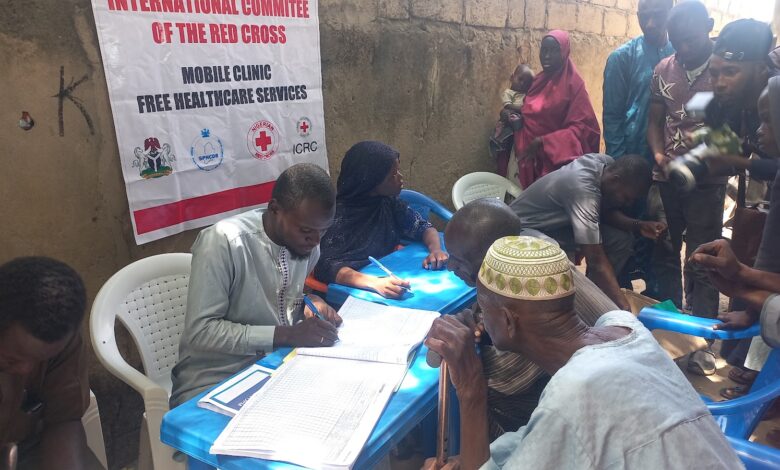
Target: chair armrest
[655, 319]
[746, 403]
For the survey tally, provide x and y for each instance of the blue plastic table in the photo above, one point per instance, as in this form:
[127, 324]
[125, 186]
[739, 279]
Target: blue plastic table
[440, 291]
[193, 430]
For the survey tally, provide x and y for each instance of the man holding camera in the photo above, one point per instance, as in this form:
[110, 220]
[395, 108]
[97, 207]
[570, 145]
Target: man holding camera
[698, 213]
[739, 70]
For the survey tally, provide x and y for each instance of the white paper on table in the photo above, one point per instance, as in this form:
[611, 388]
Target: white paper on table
[317, 412]
[376, 332]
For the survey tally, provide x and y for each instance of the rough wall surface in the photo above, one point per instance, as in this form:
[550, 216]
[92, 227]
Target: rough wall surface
[422, 75]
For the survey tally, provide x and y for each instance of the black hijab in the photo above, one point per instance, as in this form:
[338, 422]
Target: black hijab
[365, 225]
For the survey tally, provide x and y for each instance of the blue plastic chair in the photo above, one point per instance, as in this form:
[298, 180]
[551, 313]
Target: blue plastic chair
[755, 456]
[425, 205]
[737, 418]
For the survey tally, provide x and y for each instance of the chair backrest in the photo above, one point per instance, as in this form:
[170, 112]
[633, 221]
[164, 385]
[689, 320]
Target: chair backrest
[425, 205]
[481, 185]
[149, 297]
[741, 417]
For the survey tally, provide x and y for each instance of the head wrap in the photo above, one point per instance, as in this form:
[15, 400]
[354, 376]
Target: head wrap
[526, 268]
[744, 40]
[365, 224]
[364, 167]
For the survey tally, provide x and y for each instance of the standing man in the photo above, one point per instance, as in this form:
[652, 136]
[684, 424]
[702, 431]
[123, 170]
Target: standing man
[245, 295]
[739, 73]
[627, 82]
[626, 105]
[699, 213]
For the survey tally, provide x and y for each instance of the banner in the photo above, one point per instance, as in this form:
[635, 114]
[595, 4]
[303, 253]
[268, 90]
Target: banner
[212, 100]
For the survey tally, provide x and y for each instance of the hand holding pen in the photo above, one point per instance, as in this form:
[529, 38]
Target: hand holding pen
[316, 307]
[391, 286]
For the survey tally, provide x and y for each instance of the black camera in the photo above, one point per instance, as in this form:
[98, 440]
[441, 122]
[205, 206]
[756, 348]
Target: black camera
[715, 138]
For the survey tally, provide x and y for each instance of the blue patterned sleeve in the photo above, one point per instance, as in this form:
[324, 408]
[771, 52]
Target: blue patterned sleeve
[414, 225]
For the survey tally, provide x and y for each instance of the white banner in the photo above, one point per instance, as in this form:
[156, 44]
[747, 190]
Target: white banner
[212, 100]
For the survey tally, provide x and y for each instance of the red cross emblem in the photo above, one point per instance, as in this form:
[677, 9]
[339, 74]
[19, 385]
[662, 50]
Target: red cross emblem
[304, 127]
[263, 139]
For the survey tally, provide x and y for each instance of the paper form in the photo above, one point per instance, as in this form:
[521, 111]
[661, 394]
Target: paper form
[376, 332]
[315, 411]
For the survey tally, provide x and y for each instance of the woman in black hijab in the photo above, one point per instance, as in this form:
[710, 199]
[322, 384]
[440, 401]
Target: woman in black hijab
[370, 221]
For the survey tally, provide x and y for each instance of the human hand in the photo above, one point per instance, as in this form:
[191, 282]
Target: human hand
[718, 257]
[436, 260]
[652, 230]
[661, 160]
[328, 312]
[736, 320]
[532, 151]
[453, 463]
[454, 342]
[309, 333]
[390, 287]
[472, 320]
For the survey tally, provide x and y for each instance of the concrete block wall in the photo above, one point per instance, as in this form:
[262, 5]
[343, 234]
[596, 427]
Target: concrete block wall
[422, 75]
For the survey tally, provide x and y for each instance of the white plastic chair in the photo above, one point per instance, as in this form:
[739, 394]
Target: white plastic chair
[94, 431]
[481, 185]
[149, 297]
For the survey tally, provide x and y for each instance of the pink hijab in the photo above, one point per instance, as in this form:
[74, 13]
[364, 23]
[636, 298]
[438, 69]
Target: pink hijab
[557, 109]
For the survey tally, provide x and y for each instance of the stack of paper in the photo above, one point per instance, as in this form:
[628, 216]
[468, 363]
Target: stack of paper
[319, 408]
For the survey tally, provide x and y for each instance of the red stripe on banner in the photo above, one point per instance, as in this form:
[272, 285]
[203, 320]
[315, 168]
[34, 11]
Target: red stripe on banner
[155, 218]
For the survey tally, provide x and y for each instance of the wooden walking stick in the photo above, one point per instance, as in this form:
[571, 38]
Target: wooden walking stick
[443, 431]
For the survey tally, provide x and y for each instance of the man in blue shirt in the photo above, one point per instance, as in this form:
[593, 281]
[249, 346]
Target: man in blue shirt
[627, 82]
[626, 105]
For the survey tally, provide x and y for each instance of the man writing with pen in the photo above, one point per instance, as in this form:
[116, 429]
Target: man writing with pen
[245, 296]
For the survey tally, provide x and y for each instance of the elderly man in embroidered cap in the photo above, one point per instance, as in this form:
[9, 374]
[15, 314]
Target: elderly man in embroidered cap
[514, 382]
[615, 399]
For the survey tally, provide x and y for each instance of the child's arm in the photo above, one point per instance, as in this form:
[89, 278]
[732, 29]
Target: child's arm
[437, 258]
[387, 287]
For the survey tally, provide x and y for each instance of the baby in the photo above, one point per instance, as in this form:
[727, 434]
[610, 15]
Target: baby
[510, 119]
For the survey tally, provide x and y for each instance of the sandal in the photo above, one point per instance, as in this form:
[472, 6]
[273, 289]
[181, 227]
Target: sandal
[742, 376]
[731, 393]
[702, 362]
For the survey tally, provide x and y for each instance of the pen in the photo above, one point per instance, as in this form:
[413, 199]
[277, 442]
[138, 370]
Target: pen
[312, 307]
[381, 266]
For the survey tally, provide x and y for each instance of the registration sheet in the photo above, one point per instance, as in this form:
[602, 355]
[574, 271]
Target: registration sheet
[376, 332]
[316, 412]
